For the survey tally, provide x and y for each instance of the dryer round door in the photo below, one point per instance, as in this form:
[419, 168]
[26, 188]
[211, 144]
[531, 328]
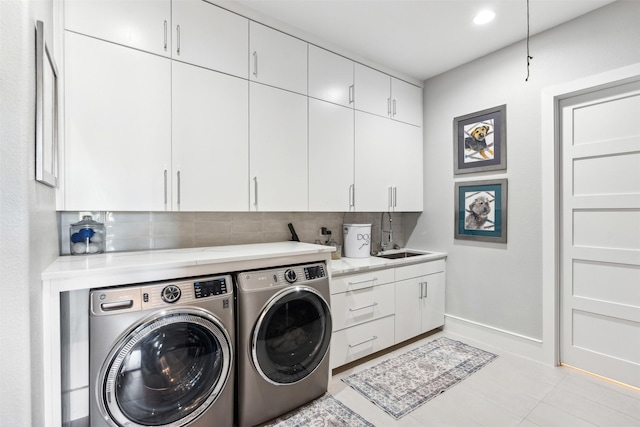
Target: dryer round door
[292, 335]
[167, 370]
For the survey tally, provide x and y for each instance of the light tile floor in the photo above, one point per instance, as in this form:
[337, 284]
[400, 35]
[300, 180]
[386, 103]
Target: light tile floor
[510, 391]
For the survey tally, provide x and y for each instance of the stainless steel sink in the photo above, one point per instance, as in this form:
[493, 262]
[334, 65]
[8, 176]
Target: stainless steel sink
[401, 254]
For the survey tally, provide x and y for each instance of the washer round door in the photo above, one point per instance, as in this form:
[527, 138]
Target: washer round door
[292, 335]
[167, 370]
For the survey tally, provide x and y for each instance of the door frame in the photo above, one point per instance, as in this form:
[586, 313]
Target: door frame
[551, 193]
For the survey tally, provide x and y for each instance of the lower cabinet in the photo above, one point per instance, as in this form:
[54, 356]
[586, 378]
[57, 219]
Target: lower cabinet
[377, 309]
[419, 300]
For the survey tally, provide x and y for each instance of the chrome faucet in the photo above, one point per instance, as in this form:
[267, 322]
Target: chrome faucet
[384, 245]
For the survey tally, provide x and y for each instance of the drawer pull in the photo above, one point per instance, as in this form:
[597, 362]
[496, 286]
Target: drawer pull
[373, 279]
[363, 342]
[363, 307]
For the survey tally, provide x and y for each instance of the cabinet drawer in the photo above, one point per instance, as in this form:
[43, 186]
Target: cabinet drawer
[362, 340]
[363, 305]
[417, 270]
[353, 282]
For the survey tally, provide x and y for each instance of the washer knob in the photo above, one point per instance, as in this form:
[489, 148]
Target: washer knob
[290, 276]
[171, 293]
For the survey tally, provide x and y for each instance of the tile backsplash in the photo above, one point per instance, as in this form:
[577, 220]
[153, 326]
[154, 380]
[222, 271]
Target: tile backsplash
[135, 231]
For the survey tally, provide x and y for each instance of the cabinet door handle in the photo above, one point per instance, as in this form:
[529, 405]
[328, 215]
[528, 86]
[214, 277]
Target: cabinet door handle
[255, 191]
[178, 39]
[363, 342]
[394, 107]
[178, 176]
[351, 196]
[165, 189]
[395, 197]
[351, 94]
[390, 197]
[388, 106]
[420, 290]
[363, 307]
[165, 35]
[255, 63]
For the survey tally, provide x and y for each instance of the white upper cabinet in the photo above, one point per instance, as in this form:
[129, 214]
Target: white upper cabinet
[117, 141]
[192, 31]
[330, 77]
[210, 140]
[278, 150]
[331, 149]
[388, 165]
[372, 91]
[141, 24]
[211, 37]
[406, 102]
[383, 95]
[277, 59]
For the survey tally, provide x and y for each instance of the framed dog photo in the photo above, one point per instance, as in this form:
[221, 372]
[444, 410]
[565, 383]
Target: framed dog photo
[480, 141]
[481, 210]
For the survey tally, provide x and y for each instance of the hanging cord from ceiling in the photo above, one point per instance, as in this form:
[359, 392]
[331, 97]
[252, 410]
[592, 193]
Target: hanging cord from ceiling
[529, 57]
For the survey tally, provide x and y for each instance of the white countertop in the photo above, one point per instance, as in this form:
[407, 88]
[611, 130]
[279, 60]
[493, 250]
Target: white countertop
[90, 266]
[351, 265]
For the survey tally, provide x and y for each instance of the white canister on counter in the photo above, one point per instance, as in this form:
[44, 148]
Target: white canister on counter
[357, 240]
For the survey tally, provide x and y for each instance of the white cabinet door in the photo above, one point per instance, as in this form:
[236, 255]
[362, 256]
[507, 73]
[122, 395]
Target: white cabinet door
[433, 301]
[408, 322]
[406, 102]
[405, 167]
[373, 152]
[277, 59]
[372, 91]
[117, 127]
[331, 149]
[211, 37]
[419, 305]
[278, 149]
[142, 24]
[330, 77]
[210, 140]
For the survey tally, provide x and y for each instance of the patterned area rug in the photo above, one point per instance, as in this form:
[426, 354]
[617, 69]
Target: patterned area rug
[325, 411]
[402, 384]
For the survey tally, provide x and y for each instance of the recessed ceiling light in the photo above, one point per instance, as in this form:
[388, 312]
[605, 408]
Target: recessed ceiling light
[484, 17]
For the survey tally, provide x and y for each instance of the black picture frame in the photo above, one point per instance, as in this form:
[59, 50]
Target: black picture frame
[481, 210]
[480, 141]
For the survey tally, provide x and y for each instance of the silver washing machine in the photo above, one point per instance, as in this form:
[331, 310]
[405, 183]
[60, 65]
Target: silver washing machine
[284, 331]
[162, 354]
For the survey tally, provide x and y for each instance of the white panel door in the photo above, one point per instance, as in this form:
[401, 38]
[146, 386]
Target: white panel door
[373, 154]
[372, 91]
[406, 102]
[142, 24]
[408, 322]
[404, 164]
[330, 77]
[331, 148]
[278, 150]
[117, 127]
[433, 299]
[211, 37]
[210, 143]
[600, 322]
[277, 59]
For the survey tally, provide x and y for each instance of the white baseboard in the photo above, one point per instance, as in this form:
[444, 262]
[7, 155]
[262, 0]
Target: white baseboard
[531, 348]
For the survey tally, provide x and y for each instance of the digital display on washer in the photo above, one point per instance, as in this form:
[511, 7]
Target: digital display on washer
[314, 272]
[207, 288]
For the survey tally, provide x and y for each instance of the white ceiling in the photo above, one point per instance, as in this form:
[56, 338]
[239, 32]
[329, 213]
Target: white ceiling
[420, 38]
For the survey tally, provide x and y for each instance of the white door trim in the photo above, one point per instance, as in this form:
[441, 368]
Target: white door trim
[550, 142]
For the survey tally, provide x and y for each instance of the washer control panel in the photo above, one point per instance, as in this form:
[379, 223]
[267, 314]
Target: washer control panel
[282, 276]
[153, 295]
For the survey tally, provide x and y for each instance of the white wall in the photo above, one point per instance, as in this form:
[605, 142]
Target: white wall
[28, 236]
[498, 287]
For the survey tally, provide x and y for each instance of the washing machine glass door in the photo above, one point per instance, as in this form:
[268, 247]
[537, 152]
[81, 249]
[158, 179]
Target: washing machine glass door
[166, 371]
[292, 335]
